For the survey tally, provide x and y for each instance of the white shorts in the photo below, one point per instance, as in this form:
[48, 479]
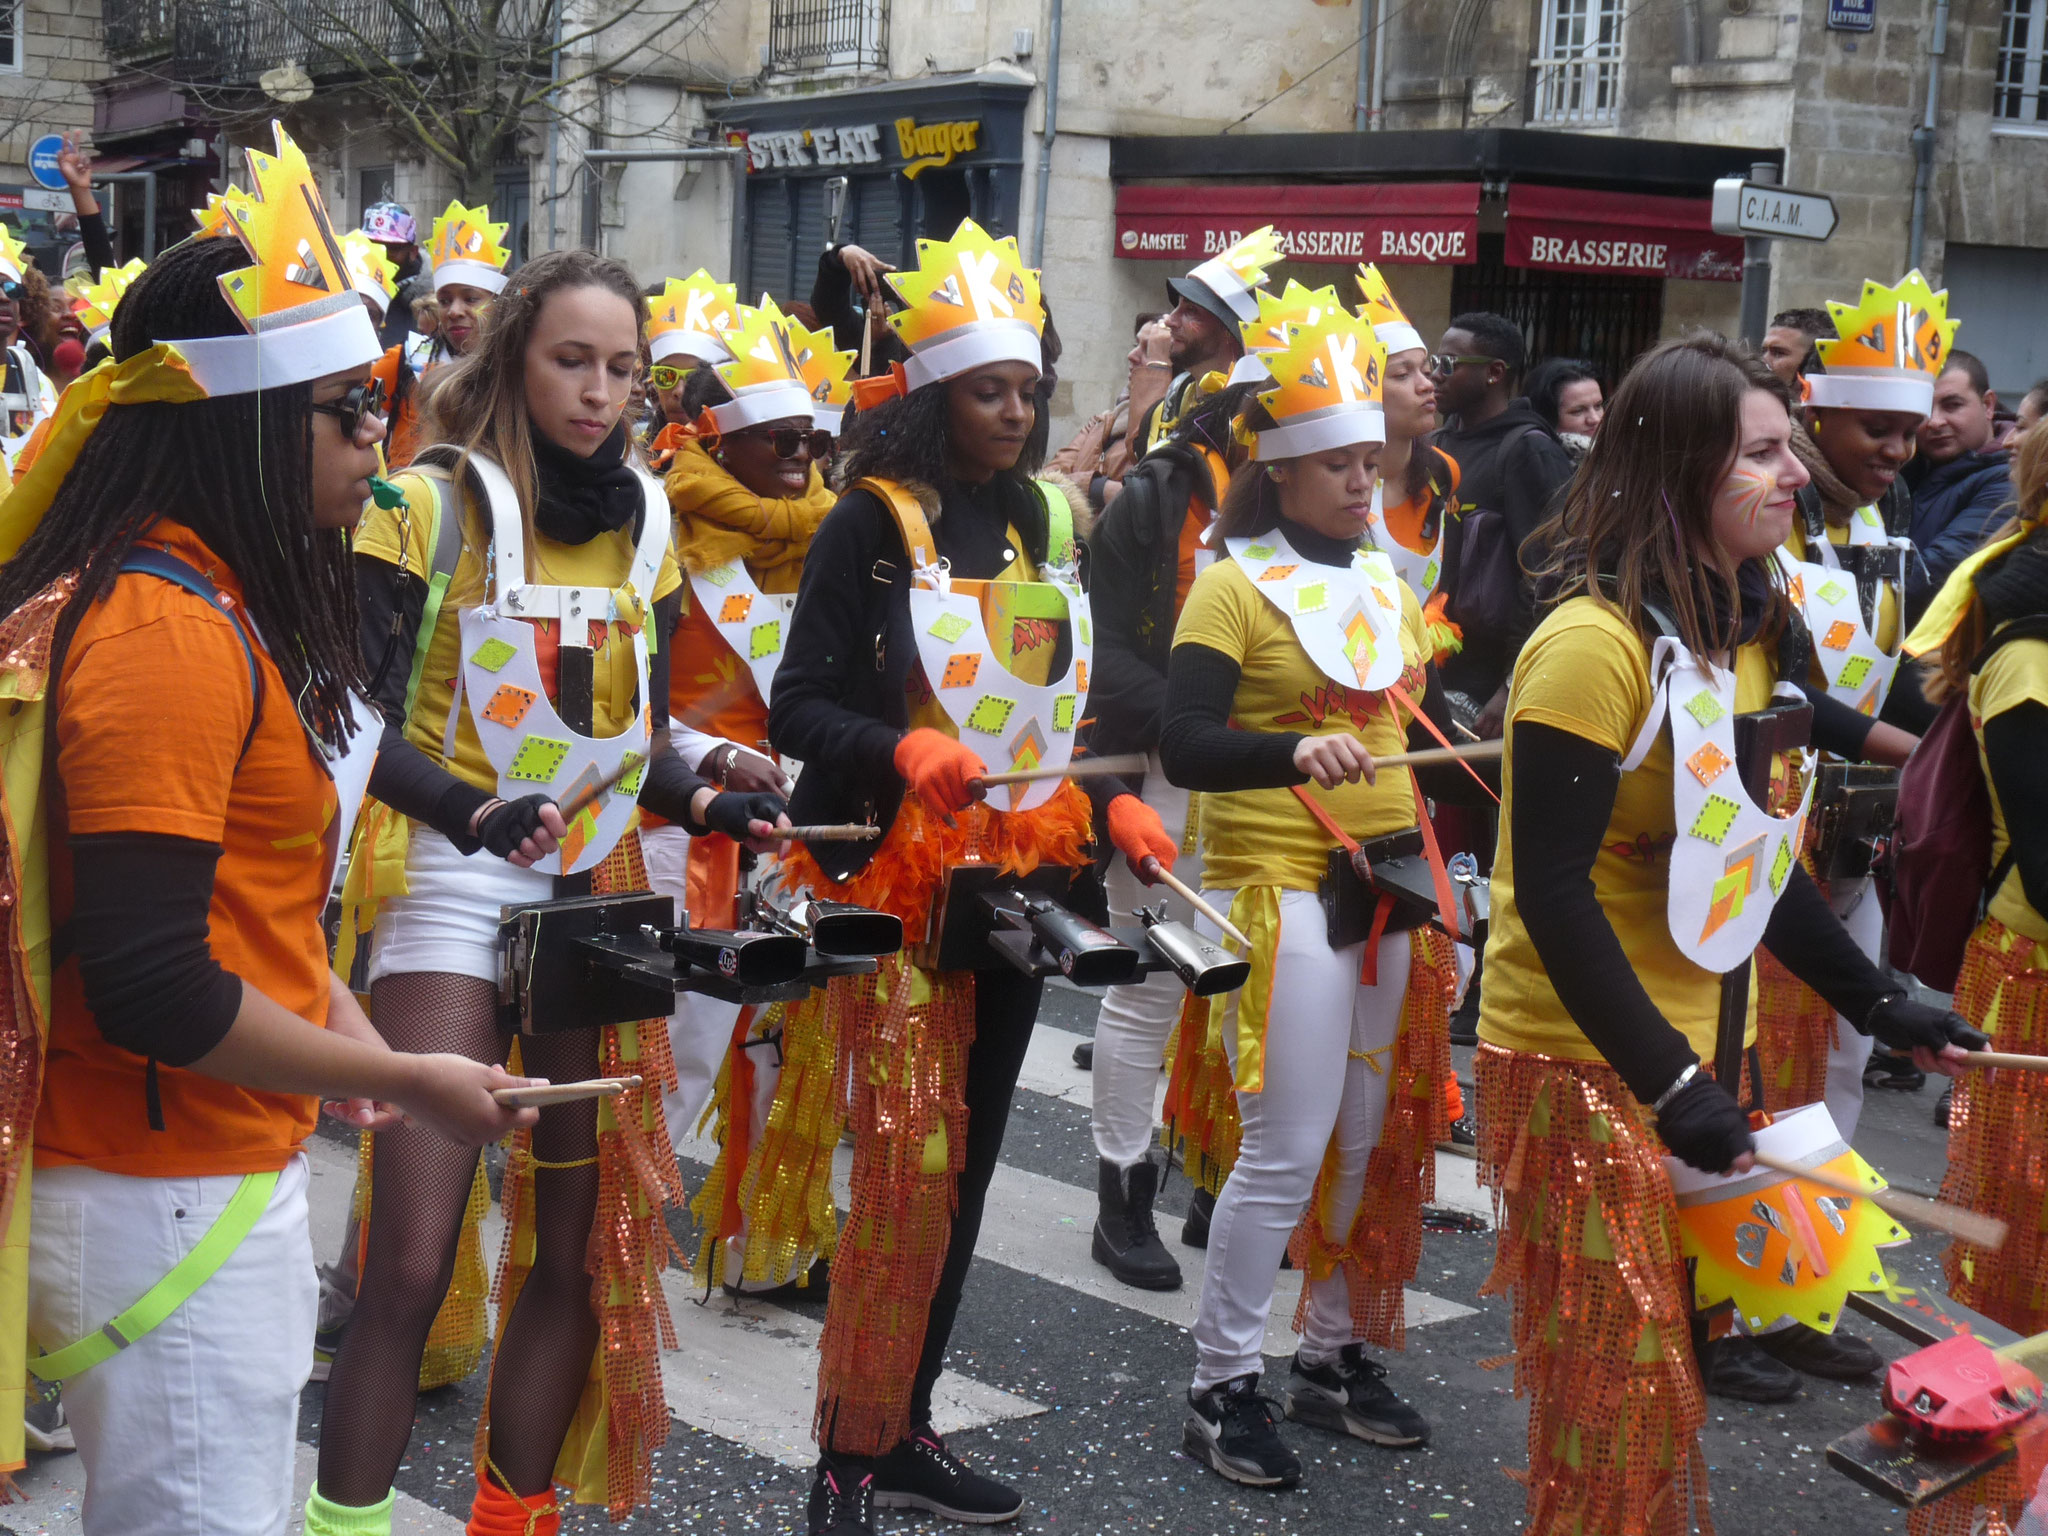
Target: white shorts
[448, 921]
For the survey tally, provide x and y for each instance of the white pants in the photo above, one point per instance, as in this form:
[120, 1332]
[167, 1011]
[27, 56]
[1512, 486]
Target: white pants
[1856, 904]
[192, 1428]
[1135, 1021]
[1328, 1064]
[448, 919]
[700, 1030]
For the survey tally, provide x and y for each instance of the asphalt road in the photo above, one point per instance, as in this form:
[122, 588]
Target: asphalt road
[1076, 1392]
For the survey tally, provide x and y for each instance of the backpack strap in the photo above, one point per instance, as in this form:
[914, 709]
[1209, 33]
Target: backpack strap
[911, 522]
[1060, 548]
[444, 541]
[179, 573]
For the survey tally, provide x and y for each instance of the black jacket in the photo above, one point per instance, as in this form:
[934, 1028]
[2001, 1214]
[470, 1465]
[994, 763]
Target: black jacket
[1512, 465]
[838, 703]
[1134, 574]
[1955, 506]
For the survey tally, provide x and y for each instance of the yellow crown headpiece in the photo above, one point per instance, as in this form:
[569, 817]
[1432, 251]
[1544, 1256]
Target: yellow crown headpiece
[304, 317]
[827, 373]
[466, 249]
[689, 318]
[1226, 284]
[765, 376]
[94, 302]
[373, 272]
[1326, 390]
[213, 219]
[1889, 349]
[1389, 323]
[971, 302]
[14, 258]
[1278, 313]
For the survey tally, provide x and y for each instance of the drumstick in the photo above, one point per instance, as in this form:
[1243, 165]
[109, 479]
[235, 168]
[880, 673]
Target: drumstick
[578, 803]
[1979, 1230]
[1469, 735]
[1477, 752]
[867, 337]
[1080, 768]
[849, 832]
[1152, 869]
[564, 1093]
[2006, 1059]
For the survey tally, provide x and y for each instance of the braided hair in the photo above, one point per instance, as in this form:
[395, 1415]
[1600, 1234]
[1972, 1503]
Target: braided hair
[237, 471]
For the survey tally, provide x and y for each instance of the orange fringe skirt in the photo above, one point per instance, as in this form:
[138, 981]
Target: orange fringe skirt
[1587, 1246]
[1998, 1132]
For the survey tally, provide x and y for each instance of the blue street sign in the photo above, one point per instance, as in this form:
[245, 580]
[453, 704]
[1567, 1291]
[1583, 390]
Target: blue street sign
[1852, 15]
[42, 161]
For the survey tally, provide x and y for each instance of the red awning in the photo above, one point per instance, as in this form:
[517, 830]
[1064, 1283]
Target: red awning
[1431, 223]
[1561, 229]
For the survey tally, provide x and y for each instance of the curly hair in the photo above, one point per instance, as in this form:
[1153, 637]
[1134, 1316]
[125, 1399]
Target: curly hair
[38, 310]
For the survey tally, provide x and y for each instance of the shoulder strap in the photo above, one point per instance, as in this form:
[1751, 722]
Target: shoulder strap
[444, 541]
[1059, 524]
[910, 519]
[168, 567]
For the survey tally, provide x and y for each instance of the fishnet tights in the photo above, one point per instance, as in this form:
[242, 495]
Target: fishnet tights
[419, 1184]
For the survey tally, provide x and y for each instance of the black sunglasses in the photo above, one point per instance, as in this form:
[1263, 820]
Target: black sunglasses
[788, 442]
[362, 400]
[11, 290]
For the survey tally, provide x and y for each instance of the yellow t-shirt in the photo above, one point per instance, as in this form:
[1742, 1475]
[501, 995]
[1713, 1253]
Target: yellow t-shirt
[1267, 836]
[1586, 671]
[603, 562]
[1887, 632]
[2016, 674]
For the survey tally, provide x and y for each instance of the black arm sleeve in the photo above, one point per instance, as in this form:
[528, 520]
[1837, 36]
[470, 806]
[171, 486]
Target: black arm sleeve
[404, 777]
[2016, 747]
[1806, 937]
[1199, 747]
[99, 245]
[670, 783]
[1836, 727]
[139, 929]
[832, 300]
[1564, 796]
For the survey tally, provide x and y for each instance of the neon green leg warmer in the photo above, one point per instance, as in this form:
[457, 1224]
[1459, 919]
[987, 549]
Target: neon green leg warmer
[327, 1519]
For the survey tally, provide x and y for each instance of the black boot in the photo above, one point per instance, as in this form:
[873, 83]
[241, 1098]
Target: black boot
[1126, 1241]
[1194, 1232]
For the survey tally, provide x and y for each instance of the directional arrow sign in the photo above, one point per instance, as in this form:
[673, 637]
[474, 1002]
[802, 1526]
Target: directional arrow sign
[1773, 212]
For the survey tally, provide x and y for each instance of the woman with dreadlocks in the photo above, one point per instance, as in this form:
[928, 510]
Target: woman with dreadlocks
[186, 751]
[939, 617]
[483, 702]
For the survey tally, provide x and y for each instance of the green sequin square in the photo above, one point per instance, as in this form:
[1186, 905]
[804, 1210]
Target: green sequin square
[1312, 598]
[721, 575]
[1831, 591]
[1705, 708]
[629, 786]
[494, 653]
[948, 627]
[1430, 572]
[1781, 866]
[1854, 670]
[765, 639]
[1714, 819]
[538, 760]
[1259, 551]
[1063, 711]
[990, 714]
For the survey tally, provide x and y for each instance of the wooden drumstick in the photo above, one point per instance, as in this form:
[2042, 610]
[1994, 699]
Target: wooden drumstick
[1080, 768]
[1972, 1227]
[1477, 752]
[1153, 870]
[2006, 1059]
[564, 1093]
[848, 832]
[583, 801]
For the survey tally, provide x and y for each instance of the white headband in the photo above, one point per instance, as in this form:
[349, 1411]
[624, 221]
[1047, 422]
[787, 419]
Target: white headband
[471, 274]
[1334, 426]
[343, 337]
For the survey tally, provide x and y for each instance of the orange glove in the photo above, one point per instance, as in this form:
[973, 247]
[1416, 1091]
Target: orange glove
[1139, 834]
[939, 769]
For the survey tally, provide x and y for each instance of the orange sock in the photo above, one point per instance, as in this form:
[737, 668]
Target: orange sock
[500, 1512]
[1454, 1098]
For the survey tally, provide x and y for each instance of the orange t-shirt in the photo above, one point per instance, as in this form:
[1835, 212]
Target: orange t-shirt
[402, 440]
[1192, 527]
[151, 712]
[1404, 518]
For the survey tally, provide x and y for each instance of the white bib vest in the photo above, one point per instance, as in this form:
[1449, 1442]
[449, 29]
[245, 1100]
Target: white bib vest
[1348, 618]
[1858, 670]
[1731, 858]
[1420, 572]
[35, 399]
[754, 623]
[529, 744]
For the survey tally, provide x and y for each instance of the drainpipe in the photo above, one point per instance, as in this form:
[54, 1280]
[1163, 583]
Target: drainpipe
[1379, 66]
[1923, 136]
[1052, 115]
[555, 129]
[1368, 40]
[147, 181]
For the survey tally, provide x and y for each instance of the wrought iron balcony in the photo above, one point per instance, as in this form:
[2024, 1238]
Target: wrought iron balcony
[232, 42]
[809, 35]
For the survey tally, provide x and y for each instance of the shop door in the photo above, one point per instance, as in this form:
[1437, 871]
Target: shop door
[786, 230]
[769, 221]
[1605, 319]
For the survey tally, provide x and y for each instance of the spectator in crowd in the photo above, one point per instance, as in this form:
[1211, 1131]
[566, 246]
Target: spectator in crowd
[1958, 478]
[1099, 453]
[849, 295]
[2031, 406]
[1565, 392]
[1789, 339]
[1510, 463]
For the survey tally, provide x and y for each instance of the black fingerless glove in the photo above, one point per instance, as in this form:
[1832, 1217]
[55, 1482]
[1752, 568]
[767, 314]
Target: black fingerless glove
[509, 823]
[1704, 1126]
[1899, 1022]
[732, 811]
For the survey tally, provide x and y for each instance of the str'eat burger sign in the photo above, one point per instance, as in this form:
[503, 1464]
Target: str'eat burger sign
[922, 146]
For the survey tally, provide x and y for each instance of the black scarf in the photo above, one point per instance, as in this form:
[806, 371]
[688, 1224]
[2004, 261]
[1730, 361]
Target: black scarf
[2015, 586]
[1710, 599]
[580, 498]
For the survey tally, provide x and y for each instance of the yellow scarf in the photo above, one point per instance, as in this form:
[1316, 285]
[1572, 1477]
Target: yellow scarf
[719, 520]
[1952, 603]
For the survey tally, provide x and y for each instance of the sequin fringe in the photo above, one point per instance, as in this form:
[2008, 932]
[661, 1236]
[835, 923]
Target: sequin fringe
[1587, 1245]
[1795, 1031]
[1996, 1503]
[1383, 1249]
[784, 1195]
[1200, 1123]
[606, 1457]
[907, 1033]
[1998, 1132]
[456, 1341]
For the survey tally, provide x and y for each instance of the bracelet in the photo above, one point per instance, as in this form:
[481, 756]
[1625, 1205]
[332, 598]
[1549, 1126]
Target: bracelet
[477, 817]
[1691, 1071]
[732, 755]
[1149, 363]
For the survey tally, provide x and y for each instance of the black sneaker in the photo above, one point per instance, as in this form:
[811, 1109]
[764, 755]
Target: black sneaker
[1834, 1356]
[1736, 1369]
[1942, 1104]
[1350, 1396]
[815, 1289]
[1231, 1430]
[1126, 1241]
[922, 1474]
[1895, 1072]
[1084, 1055]
[44, 1424]
[842, 1500]
[1194, 1232]
[1464, 1026]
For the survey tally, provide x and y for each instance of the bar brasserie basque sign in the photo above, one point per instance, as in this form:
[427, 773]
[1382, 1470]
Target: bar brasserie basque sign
[1418, 225]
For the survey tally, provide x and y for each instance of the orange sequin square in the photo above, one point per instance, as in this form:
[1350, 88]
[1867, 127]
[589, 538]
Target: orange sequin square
[1708, 763]
[960, 670]
[1839, 634]
[508, 706]
[734, 609]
